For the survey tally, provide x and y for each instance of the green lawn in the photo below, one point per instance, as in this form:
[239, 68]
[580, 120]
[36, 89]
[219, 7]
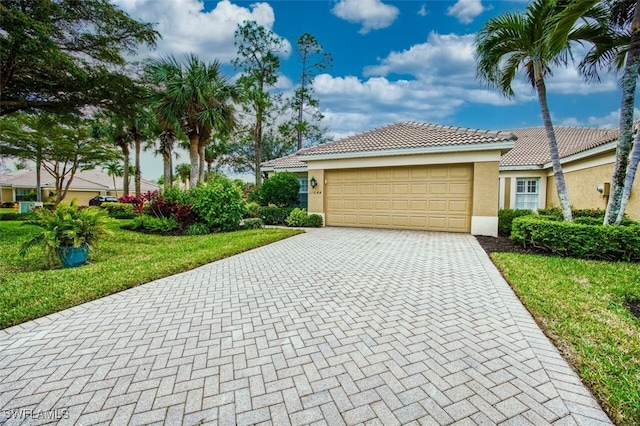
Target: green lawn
[124, 260]
[581, 305]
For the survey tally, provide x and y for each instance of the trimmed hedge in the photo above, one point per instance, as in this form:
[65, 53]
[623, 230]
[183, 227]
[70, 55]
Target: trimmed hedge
[601, 242]
[506, 216]
[117, 208]
[281, 189]
[272, 215]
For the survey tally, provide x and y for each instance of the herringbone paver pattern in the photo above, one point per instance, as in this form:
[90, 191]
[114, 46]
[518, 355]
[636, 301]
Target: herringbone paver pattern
[337, 326]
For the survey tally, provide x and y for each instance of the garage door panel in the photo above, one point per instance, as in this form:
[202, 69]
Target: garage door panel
[438, 206]
[459, 206]
[463, 189]
[460, 224]
[438, 188]
[434, 198]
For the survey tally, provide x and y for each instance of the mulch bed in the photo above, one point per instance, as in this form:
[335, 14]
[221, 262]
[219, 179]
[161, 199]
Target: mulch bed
[503, 244]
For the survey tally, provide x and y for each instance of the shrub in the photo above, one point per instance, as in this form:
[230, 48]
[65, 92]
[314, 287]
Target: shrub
[281, 189]
[604, 242]
[219, 204]
[154, 224]
[253, 209]
[506, 216]
[185, 216]
[122, 215]
[117, 208]
[14, 216]
[197, 228]
[298, 217]
[253, 223]
[254, 195]
[178, 195]
[137, 202]
[160, 207]
[273, 215]
[314, 221]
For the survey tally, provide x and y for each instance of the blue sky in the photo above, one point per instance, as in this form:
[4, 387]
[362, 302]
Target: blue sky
[393, 61]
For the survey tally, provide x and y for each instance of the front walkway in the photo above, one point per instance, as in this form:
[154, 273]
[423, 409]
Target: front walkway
[334, 326]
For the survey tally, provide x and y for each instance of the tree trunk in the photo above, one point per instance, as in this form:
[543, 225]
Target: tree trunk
[628, 181]
[625, 137]
[125, 176]
[115, 188]
[38, 177]
[137, 178]
[166, 163]
[563, 196]
[201, 163]
[194, 157]
[300, 115]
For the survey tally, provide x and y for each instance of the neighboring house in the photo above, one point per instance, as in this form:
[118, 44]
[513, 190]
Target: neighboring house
[18, 185]
[405, 176]
[587, 157]
[423, 176]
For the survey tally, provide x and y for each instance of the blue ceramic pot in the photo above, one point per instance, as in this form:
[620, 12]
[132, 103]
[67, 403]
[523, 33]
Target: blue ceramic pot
[73, 256]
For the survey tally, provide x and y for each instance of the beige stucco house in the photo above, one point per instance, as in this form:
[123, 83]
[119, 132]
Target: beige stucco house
[405, 176]
[587, 157]
[423, 176]
[16, 185]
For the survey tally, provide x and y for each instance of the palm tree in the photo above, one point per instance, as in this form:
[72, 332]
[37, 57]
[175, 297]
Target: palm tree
[183, 171]
[198, 97]
[618, 47]
[533, 41]
[114, 170]
[114, 127]
[167, 138]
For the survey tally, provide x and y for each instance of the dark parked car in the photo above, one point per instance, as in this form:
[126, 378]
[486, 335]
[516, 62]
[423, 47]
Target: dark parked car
[99, 199]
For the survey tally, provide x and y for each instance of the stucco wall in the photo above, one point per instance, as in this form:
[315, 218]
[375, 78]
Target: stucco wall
[316, 195]
[485, 189]
[582, 183]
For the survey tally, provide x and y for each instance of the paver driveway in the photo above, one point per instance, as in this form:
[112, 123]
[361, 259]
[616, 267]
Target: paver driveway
[334, 326]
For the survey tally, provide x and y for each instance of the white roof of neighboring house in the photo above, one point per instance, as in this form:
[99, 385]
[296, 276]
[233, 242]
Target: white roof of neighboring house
[95, 179]
[290, 162]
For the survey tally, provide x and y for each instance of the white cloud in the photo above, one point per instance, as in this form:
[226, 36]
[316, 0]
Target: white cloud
[372, 14]
[611, 120]
[466, 11]
[186, 27]
[442, 58]
[423, 10]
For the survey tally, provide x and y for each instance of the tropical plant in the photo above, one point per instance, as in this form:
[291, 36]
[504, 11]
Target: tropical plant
[197, 96]
[66, 226]
[112, 127]
[114, 170]
[534, 41]
[183, 171]
[617, 47]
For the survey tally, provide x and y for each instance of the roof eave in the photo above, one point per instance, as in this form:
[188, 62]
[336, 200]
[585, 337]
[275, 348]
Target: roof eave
[503, 146]
[584, 154]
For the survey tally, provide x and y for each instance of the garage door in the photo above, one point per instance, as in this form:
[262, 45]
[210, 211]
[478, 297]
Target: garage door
[434, 198]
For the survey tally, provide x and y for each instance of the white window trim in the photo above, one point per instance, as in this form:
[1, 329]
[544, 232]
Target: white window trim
[538, 181]
[542, 188]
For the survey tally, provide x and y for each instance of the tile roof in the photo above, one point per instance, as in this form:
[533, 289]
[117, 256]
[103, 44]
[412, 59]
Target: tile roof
[87, 179]
[288, 162]
[532, 146]
[408, 135]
